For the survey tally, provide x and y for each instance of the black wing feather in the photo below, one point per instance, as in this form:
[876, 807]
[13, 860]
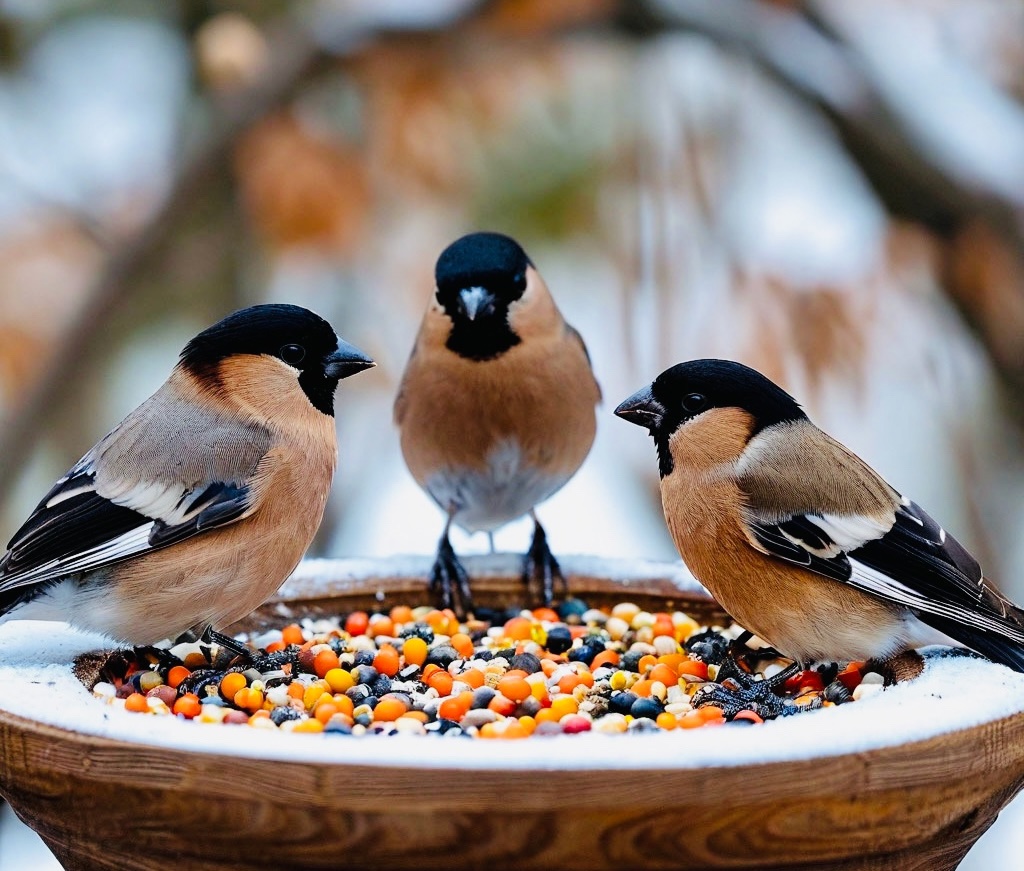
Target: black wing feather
[933, 575]
[225, 503]
[770, 537]
[71, 525]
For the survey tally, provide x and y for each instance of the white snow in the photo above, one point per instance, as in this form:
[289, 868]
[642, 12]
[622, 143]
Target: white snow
[954, 693]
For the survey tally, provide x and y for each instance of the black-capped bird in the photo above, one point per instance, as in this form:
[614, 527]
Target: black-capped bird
[496, 406]
[799, 539]
[194, 509]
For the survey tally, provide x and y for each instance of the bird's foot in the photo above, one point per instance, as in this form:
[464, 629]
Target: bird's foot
[157, 657]
[738, 691]
[226, 642]
[449, 582]
[541, 569]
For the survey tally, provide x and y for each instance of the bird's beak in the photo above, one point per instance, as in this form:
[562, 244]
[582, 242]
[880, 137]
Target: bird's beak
[642, 409]
[476, 301]
[347, 360]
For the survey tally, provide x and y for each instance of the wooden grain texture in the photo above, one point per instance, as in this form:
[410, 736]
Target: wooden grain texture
[105, 804]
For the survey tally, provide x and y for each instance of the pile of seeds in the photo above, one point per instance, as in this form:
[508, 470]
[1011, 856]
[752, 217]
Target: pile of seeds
[511, 675]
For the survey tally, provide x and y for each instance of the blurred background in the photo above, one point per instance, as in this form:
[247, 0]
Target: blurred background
[831, 192]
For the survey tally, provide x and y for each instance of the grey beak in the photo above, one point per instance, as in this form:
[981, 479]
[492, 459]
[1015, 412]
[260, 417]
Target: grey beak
[642, 409]
[347, 360]
[476, 301]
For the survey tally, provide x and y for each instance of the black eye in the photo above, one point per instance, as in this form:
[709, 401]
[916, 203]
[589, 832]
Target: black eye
[520, 281]
[694, 402]
[292, 354]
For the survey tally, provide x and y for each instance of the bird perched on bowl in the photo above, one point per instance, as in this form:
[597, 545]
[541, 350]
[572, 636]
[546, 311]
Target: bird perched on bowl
[496, 406]
[195, 508]
[799, 539]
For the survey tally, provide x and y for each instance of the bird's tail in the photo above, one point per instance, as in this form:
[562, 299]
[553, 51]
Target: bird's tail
[999, 648]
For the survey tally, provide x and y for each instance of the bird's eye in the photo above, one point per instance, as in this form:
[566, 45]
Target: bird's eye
[694, 402]
[292, 354]
[520, 281]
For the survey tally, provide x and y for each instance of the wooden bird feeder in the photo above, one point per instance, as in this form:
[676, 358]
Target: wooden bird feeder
[907, 779]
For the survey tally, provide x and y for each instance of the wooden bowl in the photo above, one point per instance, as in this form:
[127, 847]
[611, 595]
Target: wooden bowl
[907, 779]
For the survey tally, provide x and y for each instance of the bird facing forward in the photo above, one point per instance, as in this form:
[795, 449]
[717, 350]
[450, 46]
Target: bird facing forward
[496, 406]
[797, 538]
[195, 508]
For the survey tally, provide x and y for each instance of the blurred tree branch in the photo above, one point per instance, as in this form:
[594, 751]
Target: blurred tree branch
[296, 57]
[801, 52]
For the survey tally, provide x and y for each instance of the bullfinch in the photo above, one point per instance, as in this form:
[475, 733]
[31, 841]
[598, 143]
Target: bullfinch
[798, 538]
[496, 406]
[193, 509]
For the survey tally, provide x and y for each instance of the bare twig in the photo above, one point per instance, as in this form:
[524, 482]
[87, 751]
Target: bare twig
[812, 62]
[296, 56]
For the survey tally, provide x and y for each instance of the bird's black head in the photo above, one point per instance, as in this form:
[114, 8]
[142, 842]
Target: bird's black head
[294, 335]
[478, 277]
[687, 390]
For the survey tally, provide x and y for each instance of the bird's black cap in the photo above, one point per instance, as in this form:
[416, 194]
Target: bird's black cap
[299, 337]
[687, 389]
[488, 260]
[478, 277]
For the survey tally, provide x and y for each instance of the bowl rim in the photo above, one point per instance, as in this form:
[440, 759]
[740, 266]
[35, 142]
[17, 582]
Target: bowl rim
[987, 695]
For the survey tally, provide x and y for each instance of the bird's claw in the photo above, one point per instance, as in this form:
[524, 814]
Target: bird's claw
[743, 693]
[449, 582]
[541, 568]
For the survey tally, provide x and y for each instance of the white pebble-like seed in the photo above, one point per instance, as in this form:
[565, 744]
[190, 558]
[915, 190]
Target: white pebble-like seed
[872, 677]
[611, 724]
[642, 618]
[626, 611]
[593, 617]
[864, 690]
[104, 690]
[478, 716]
[642, 647]
[770, 670]
[677, 708]
[278, 695]
[665, 645]
[616, 627]
[676, 694]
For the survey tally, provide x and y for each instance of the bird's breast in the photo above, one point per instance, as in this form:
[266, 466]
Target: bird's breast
[494, 437]
[800, 613]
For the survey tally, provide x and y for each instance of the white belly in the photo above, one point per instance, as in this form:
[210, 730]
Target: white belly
[503, 490]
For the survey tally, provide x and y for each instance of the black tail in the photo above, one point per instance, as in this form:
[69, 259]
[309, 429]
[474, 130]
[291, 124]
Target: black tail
[998, 648]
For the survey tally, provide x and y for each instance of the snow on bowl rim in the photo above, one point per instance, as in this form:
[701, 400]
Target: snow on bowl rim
[954, 693]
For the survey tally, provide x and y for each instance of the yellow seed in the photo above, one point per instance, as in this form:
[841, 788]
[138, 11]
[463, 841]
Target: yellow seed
[340, 680]
[312, 695]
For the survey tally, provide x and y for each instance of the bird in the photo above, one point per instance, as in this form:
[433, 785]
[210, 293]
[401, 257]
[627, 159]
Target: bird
[194, 508]
[800, 540]
[496, 407]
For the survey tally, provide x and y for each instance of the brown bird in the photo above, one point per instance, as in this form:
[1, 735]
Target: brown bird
[195, 508]
[496, 406]
[799, 539]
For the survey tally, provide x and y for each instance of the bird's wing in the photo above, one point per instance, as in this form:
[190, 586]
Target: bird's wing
[575, 334]
[136, 491]
[894, 551]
